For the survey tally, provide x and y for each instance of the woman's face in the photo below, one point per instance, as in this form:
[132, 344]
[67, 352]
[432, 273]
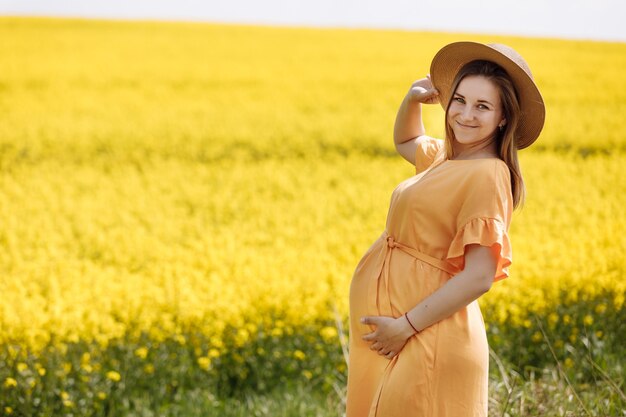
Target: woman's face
[475, 110]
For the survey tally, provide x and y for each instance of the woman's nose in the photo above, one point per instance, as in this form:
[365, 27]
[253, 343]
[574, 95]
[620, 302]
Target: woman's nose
[467, 114]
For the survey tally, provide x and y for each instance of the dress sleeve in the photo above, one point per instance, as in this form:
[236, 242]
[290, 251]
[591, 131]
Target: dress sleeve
[485, 217]
[426, 152]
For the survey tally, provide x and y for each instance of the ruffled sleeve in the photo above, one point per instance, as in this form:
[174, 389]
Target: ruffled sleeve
[485, 218]
[485, 232]
[426, 151]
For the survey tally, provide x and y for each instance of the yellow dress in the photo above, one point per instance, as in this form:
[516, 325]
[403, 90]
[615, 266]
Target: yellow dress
[442, 371]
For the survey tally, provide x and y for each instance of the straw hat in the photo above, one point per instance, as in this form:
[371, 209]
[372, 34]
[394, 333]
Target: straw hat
[451, 58]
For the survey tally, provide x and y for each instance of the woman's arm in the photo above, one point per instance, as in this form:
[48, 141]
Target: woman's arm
[391, 334]
[408, 126]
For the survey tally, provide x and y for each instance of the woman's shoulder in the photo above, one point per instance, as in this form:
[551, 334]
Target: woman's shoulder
[486, 189]
[426, 152]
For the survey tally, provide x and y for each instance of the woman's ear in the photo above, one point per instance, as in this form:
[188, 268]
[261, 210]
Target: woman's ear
[503, 122]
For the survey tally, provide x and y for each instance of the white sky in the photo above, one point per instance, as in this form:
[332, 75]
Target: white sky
[574, 19]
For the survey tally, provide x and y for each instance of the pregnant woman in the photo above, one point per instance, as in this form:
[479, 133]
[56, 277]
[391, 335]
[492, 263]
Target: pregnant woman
[418, 345]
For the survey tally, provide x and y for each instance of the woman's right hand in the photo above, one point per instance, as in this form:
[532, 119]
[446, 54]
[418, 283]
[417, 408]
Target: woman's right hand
[423, 91]
[408, 126]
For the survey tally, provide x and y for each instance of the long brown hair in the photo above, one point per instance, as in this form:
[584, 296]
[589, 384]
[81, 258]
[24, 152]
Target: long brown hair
[505, 139]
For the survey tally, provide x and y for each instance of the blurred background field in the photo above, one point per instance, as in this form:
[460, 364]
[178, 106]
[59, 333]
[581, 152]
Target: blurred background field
[182, 207]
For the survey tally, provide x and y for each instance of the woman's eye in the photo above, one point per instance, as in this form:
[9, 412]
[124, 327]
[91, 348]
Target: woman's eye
[459, 99]
[482, 106]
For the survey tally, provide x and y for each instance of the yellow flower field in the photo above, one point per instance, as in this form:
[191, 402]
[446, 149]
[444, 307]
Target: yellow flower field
[169, 178]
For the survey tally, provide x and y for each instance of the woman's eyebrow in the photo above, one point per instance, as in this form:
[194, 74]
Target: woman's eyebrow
[484, 101]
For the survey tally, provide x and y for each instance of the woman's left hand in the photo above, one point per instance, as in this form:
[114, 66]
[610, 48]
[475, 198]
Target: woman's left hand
[390, 336]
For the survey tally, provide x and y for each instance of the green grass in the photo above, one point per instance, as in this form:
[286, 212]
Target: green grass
[546, 393]
[588, 382]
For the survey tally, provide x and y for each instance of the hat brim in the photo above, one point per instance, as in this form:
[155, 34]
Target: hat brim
[451, 58]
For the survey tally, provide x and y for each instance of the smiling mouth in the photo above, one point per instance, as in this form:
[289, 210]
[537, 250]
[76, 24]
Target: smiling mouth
[462, 125]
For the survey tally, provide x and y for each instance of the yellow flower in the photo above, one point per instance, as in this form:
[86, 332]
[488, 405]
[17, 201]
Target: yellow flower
[300, 355]
[600, 308]
[141, 352]
[40, 369]
[149, 368]
[21, 367]
[588, 320]
[68, 403]
[204, 362]
[65, 395]
[88, 368]
[567, 319]
[307, 374]
[219, 298]
[213, 353]
[537, 336]
[599, 334]
[242, 337]
[553, 319]
[10, 383]
[8, 410]
[114, 376]
[329, 333]
[12, 352]
[67, 367]
[568, 362]
[217, 342]
[251, 327]
[101, 395]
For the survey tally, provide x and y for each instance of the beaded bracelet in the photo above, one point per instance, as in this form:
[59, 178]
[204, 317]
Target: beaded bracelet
[410, 324]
